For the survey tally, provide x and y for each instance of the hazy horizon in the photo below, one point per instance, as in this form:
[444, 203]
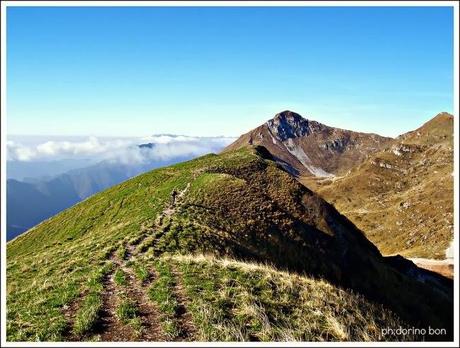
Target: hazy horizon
[218, 135]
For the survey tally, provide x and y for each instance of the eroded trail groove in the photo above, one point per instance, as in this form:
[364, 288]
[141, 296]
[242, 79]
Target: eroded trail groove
[70, 311]
[187, 329]
[109, 327]
[148, 314]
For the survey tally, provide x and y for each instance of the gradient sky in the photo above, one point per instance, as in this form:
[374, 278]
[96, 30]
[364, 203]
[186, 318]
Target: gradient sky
[223, 71]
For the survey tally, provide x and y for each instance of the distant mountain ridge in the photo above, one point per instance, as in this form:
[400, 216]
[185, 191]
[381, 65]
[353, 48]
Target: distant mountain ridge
[42, 170]
[29, 203]
[310, 148]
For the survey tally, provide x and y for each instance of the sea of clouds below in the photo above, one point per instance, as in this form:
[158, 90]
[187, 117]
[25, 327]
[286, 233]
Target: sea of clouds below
[118, 150]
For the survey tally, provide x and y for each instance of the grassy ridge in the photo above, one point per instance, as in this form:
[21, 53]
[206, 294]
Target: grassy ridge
[238, 205]
[48, 266]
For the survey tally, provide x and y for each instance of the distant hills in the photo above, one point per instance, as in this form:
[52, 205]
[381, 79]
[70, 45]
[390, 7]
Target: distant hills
[29, 203]
[26, 171]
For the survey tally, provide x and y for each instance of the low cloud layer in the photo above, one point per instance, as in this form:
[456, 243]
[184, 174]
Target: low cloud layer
[125, 150]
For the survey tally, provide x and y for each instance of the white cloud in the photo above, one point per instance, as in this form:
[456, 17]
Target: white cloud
[166, 147]
[124, 150]
[166, 139]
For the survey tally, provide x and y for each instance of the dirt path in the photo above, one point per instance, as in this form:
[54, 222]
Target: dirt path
[151, 329]
[159, 224]
[70, 312]
[171, 209]
[184, 319]
[108, 326]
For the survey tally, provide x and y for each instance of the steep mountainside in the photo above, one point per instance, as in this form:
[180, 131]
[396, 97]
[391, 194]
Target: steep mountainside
[402, 196]
[74, 276]
[310, 148]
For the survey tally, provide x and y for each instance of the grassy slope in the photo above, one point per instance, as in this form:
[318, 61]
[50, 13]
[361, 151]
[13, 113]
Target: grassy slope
[408, 208]
[237, 204]
[236, 301]
[50, 265]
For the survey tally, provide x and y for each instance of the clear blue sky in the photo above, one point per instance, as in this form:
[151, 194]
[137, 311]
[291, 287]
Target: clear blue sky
[223, 71]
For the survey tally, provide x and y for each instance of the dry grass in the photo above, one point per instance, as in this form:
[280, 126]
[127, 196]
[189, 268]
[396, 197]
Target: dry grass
[239, 301]
[402, 197]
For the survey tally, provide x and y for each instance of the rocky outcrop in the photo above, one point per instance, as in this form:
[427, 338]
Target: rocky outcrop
[310, 148]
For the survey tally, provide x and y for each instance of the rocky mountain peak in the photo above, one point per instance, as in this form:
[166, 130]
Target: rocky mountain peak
[287, 114]
[289, 124]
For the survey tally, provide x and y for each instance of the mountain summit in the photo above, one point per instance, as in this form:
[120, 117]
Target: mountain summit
[309, 148]
[288, 124]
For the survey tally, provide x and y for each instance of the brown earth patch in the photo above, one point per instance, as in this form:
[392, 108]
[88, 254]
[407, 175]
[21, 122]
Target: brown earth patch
[151, 328]
[184, 319]
[70, 311]
[108, 326]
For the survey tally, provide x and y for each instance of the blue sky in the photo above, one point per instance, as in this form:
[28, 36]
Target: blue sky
[223, 71]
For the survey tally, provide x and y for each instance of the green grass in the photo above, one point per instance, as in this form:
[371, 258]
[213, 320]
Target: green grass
[146, 244]
[162, 293]
[119, 277]
[135, 240]
[141, 272]
[136, 325]
[126, 310]
[87, 314]
[121, 252]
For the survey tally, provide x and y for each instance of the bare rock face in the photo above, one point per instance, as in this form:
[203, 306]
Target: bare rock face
[309, 148]
[288, 124]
